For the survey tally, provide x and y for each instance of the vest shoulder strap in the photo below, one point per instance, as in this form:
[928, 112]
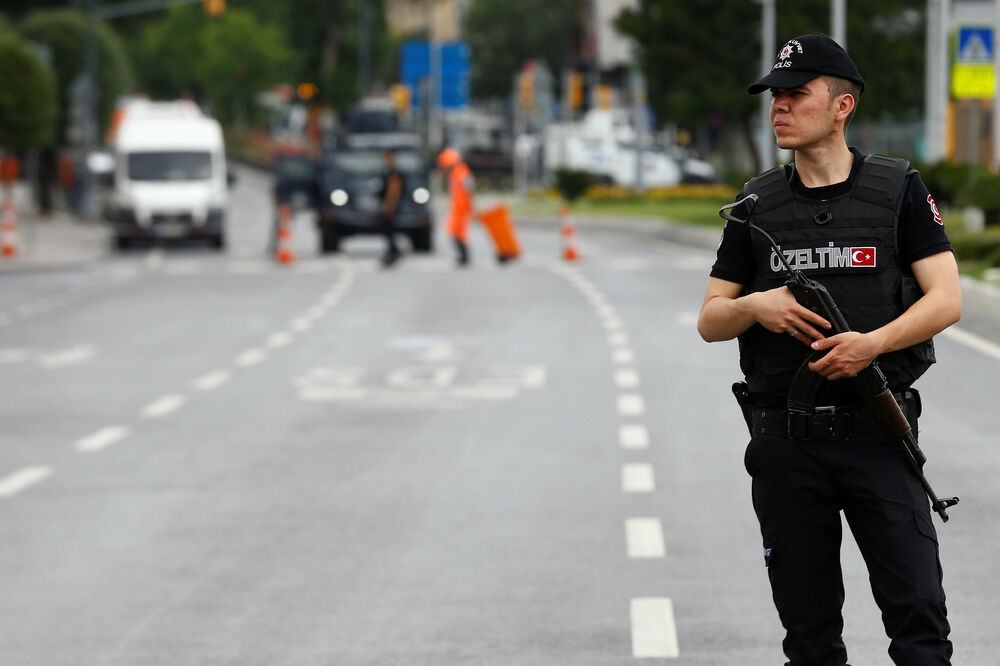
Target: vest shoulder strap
[882, 181]
[771, 188]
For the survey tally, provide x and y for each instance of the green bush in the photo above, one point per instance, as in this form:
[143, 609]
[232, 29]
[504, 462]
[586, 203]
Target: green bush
[975, 246]
[572, 183]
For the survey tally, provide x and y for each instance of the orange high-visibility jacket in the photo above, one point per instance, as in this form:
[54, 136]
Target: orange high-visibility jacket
[460, 186]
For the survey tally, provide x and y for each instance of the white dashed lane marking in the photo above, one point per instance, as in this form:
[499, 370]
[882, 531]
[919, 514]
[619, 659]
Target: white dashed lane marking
[23, 478]
[279, 339]
[211, 381]
[163, 406]
[633, 437]
[654, 632]
[102, 438]
[618, 339]
[71, 356]
[626, 378]
[250, 357]
[644, 538]
[638, 478]
[631, 404]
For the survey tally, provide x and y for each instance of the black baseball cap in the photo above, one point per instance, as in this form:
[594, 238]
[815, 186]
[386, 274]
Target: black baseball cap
[804, 58]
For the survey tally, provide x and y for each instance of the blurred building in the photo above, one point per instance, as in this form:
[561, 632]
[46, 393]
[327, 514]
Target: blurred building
[439, 20]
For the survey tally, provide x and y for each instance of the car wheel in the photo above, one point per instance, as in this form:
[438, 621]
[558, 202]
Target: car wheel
[329, 240]
[422, 241]
[122, 242]
[219, 242]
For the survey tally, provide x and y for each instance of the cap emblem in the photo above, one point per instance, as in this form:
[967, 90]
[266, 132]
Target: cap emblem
[787, 51]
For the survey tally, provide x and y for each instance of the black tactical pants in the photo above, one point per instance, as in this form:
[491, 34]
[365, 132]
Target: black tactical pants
[799, 489]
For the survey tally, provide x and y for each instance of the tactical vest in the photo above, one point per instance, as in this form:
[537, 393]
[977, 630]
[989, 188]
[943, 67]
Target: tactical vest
[849, 244]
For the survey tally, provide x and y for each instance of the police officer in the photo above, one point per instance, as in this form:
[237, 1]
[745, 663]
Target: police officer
[389, 193]
[867, 228]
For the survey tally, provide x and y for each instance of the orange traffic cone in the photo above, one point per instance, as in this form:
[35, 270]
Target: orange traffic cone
[570, 252]
[8, 228]
[284, 253]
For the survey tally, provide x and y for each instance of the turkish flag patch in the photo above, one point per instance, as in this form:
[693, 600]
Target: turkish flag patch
[862, 257]
[934, 209]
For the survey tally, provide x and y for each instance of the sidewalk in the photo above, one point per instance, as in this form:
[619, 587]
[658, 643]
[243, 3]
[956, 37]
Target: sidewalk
[60, 241]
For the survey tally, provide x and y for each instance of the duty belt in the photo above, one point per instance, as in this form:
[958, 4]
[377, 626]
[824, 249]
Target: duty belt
[826, 423]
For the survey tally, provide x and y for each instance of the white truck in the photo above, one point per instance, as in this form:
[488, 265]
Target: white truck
[169, 178]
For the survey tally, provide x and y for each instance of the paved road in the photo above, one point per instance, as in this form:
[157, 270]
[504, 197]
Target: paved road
[210, 459]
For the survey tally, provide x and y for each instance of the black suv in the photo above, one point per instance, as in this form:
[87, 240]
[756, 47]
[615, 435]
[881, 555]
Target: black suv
[349, 180]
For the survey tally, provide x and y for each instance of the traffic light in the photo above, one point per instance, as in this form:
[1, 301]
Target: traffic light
[574, 90]
[213, 7]
[526, 90]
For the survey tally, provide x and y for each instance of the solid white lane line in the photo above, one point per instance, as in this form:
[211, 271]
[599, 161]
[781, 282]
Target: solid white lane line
[212, 380]
[613, 324]
[654, 632]
[626, 378]
[623, 356]
[71, 356]
[644, 538]
[631, 404]
[638, 478]
[633, 437]
[102, 438]
[973, 341]
[163, 406]
[300, 324]
[250, 357]
[279, 339]
[23, 478]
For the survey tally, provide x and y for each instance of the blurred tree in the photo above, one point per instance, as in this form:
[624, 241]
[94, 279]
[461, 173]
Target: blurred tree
[222, 61]
[699, 56]
[28, 96]
[504, 35]
[62, 32]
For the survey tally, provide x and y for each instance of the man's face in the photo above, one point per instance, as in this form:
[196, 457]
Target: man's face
[802, 117]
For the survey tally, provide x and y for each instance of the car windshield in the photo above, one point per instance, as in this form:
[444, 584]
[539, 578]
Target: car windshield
[293, 167]
[170, 166]
[371, 162]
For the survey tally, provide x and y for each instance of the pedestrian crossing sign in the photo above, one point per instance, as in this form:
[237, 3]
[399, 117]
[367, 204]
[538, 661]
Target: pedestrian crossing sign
[973, 75]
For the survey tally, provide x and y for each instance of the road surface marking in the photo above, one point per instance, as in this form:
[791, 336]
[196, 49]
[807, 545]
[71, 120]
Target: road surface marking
[618, 339]
[26, 477]
[279, 339]
[973, 341]
[631, 404]
[688, 319]
[654, 632]
[300, 324]
[633, 437]
[250, 357]
[613, 324]
[623, 356]
[484, 392]
[102, 438]
[71, 356]
[154, 260]
[629, 264]
[626, 378]
[638, 478]
[163, 406]
[211, 381]
[644, 538]
[316, 311]
[606, 310]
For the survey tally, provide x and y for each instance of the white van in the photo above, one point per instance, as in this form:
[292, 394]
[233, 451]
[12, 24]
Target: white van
[170, 177]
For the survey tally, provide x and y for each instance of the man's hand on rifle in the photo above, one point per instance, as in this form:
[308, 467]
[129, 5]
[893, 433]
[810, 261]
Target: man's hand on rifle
[849, 354]
[779, 312]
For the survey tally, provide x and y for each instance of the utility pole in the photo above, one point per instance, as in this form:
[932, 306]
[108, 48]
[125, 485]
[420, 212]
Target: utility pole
[364, 47]
[767, 45]
[936, 78]
[838, 21]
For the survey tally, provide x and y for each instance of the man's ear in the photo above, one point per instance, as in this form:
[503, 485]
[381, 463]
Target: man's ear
[845, 106]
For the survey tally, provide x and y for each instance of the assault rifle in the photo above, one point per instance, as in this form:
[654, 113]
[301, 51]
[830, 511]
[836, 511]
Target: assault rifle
[870, 384]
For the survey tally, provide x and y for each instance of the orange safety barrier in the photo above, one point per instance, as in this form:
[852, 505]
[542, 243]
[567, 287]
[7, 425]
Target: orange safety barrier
[503, 232]
[569, 250]
[284, 254]
[8, 228]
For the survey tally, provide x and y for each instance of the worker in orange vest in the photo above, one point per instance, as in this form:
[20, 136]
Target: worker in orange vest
[461, 185]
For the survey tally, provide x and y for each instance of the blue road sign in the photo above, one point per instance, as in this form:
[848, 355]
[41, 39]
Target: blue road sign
[975, 45]
[415, 65]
